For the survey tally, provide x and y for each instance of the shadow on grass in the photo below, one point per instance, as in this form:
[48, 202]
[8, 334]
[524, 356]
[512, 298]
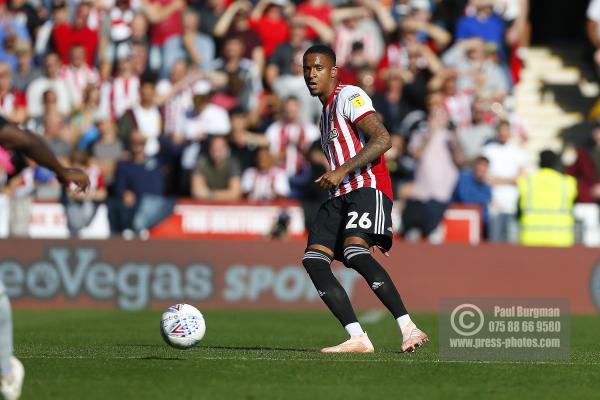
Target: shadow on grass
[256, 348]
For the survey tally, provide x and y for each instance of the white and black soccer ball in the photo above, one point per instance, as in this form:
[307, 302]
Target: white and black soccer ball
[182, 326]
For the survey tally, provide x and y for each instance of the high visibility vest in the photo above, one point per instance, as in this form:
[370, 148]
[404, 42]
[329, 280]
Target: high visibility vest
[546, 202]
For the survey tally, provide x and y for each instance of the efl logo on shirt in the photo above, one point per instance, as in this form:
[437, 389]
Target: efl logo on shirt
[357, 100]
[332, 135]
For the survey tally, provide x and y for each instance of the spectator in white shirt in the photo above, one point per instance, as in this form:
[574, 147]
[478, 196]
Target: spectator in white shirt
[507, 163]
[144, 117]
[50, 81]
[196, 125]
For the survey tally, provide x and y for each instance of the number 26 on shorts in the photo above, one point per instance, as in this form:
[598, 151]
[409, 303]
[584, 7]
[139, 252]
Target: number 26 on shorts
[363, 222]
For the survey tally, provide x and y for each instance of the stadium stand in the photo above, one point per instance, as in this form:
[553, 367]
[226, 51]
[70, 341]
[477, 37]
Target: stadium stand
[451, 80]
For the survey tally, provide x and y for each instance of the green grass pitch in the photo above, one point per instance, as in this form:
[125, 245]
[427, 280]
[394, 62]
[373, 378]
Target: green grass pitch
[274, 355]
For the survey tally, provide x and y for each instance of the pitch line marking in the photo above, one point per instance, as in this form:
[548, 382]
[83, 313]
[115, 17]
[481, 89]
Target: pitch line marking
[404, 360]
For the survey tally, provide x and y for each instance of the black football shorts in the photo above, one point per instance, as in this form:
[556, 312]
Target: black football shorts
[364, 212]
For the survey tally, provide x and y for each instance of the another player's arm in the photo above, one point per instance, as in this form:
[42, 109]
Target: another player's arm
[379, 141]
[35, 148]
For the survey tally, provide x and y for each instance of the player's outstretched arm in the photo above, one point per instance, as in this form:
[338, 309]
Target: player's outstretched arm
[35, 148]
[379, 141]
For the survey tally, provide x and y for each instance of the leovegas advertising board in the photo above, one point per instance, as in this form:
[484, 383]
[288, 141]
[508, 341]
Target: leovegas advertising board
[260, 274]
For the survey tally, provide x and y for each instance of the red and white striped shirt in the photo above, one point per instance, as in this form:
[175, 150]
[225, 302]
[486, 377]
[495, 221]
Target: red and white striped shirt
[291, 139]
[176, 106]
[120, 95]
[341, 140]
[265, 185]
[77, 79]
[459, 109]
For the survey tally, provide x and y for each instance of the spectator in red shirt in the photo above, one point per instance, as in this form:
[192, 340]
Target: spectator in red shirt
[318, 9]
[348, 73]
[268, 20]
[280, 62]
[165, 18]
[65, 36]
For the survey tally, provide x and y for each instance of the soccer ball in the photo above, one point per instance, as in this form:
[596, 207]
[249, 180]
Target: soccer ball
[182, 326]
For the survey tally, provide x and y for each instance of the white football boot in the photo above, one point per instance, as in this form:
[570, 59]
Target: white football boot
[356, 344]
[413, 337]
[10, 386]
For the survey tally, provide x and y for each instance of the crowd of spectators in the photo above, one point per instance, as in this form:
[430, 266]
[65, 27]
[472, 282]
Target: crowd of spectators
[161, 99]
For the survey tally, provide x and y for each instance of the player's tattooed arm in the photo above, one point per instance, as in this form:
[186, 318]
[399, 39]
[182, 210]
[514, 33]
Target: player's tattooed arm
[378, 142]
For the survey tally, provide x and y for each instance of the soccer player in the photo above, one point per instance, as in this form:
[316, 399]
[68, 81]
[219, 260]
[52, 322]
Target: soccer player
[32, 146]
[357, 215]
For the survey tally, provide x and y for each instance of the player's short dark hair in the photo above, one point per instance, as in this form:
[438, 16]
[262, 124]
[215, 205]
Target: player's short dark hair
[321, 49]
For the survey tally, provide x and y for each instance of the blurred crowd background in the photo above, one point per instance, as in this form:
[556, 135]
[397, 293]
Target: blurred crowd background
[167, 99]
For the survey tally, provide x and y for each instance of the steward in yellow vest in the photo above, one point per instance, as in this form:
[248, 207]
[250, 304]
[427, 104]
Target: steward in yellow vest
[546, 205]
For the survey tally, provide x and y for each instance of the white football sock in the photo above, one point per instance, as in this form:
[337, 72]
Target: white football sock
[354, 329]
[6, 341]
[403, 321]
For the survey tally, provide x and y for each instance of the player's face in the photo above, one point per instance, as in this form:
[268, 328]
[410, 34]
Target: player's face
[318, 73]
